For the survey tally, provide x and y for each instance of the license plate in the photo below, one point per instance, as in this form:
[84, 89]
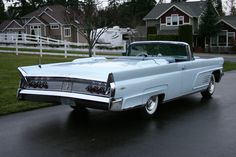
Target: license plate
[67, 101]
[66, 87]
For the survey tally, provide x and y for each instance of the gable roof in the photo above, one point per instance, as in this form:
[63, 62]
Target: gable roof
[37, 19]
[57, 12]
[229, 20]
[193, 9]
[5, 24]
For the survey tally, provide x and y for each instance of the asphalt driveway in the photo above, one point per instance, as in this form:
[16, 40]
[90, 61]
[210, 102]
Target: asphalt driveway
[187, 127]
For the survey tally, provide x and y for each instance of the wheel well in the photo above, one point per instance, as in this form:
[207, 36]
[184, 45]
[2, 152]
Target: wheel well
[161, 97]
[217, 75]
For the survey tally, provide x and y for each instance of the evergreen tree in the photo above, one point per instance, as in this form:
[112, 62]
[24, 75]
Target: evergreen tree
[219, 7]
[53, 2]
[131, 13]
[22, 7]
[113, 3]
[112, 12]
[176, 1]
[36, 3]
[207, 27]
[74, 4]
[2, 11]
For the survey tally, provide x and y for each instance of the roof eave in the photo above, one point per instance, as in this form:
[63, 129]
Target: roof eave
[172, 7]
[222, 20]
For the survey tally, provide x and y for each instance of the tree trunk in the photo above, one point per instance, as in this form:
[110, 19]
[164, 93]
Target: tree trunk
[90, 50]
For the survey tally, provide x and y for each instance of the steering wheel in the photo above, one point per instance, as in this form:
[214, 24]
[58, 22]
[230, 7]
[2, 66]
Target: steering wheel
[142, 54]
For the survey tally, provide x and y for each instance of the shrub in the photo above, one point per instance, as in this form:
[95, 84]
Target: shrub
[185, 34]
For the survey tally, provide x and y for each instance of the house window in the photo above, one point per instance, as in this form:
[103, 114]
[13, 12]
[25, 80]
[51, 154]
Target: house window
[168, 21]
[54, 26]
[231, 38]
[214, 41]
[181, 20]
[222, 38]
[67, 32]
[174, 20]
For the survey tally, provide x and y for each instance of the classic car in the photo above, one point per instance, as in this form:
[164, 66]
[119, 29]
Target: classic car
[152, 72]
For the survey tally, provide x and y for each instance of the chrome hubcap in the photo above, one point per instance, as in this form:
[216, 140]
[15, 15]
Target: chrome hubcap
[151, 105]
[212, 85]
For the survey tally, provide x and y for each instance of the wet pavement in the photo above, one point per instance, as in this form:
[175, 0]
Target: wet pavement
[187, 127]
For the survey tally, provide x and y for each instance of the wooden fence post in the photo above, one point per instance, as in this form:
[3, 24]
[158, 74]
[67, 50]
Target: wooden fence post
[41, 48]
[17, 45]
[125, 47]
[65, 48]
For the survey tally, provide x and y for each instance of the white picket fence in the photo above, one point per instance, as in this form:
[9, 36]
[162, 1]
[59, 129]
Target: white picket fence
[32, 44]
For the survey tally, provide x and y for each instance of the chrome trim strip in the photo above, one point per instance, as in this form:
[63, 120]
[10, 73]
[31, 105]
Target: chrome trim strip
[67, 77]
[65, 94]
[113, 89]
[201, 86]
[117, 100]
[22, 71]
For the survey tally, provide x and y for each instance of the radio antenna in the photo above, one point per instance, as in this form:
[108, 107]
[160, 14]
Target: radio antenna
[40, 62]
[40, 54]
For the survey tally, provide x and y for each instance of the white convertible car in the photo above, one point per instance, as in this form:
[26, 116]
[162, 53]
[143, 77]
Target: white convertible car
[152, 72]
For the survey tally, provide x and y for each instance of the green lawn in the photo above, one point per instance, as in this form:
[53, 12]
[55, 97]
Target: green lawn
[9, 78]
[228, 66]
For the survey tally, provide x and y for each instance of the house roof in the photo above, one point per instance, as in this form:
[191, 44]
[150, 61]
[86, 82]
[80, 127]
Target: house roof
[230, 20]
[58, 13]
[37, 19]
[193, 9]
[5, 24]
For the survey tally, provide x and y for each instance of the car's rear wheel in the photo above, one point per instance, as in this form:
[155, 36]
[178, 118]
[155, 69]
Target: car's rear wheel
[152, 105]
[210, 89]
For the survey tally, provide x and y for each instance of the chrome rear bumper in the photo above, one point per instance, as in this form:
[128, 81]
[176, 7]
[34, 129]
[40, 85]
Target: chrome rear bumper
[91, 101]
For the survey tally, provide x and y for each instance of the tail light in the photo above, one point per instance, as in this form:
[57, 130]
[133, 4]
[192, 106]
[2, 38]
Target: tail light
[107, 89]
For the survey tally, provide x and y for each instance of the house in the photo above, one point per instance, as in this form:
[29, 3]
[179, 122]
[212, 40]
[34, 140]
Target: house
[165, 19]
[11, 26]
[225, 41]
[54, 21]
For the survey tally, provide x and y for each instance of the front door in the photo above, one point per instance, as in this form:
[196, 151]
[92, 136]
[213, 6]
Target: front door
[35, 30]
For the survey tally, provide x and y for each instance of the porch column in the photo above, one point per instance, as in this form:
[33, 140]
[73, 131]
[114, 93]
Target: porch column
[227, 44]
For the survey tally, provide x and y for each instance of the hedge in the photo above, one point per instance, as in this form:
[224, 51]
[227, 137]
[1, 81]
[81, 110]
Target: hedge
[163, 37]
[185, 34]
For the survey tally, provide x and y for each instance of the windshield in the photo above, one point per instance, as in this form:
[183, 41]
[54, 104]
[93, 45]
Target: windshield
[158, 49]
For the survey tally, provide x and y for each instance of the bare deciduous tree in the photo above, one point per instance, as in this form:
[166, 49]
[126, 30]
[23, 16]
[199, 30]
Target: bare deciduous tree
[231, 4]
[89, 23]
